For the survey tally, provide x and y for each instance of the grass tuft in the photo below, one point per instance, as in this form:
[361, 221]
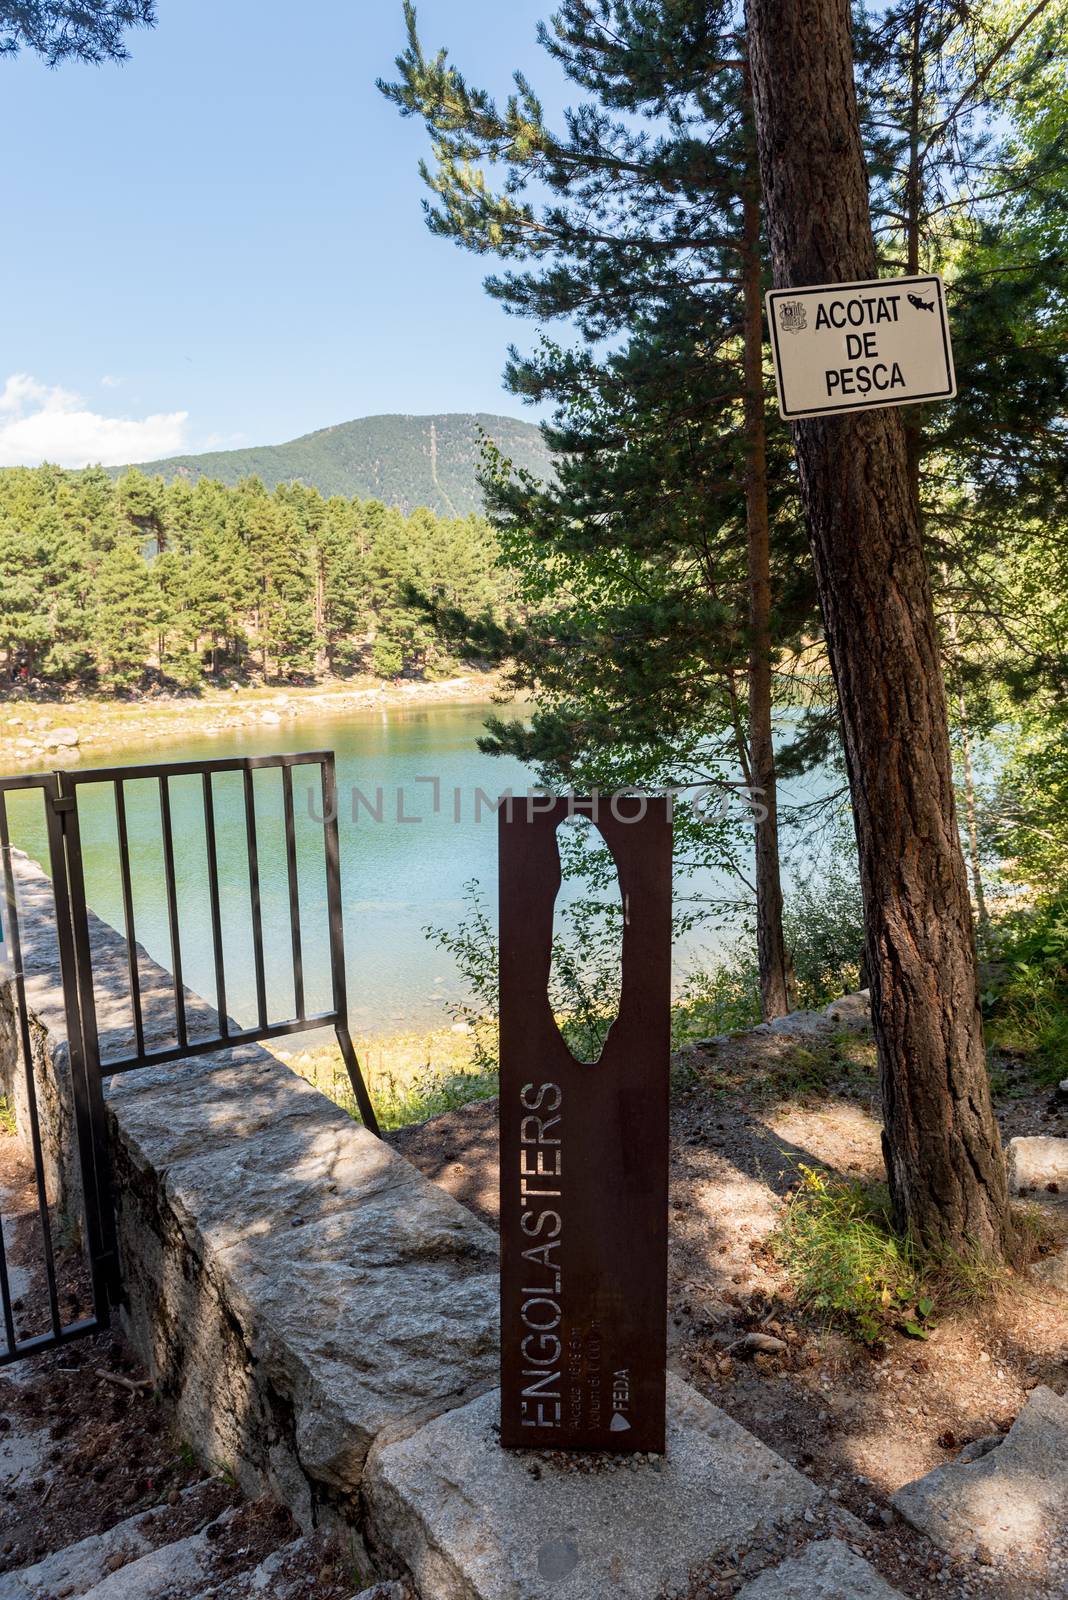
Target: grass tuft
[410, 1077]
[8, 1123]
[837, 1243]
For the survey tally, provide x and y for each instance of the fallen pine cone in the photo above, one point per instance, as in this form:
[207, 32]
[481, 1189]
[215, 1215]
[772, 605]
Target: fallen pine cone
[760, 1343]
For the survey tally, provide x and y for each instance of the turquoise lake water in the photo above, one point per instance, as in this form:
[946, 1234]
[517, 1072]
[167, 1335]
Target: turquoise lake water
[398, 875]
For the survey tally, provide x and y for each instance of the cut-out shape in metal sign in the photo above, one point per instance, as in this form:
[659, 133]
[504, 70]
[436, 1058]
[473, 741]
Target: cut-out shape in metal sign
[584, 1150]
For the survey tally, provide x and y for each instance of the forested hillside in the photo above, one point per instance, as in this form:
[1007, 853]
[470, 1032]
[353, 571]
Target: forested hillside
[118, 583]
[403, 461]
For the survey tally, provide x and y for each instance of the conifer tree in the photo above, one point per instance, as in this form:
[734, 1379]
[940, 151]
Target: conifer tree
[72, 30]
[941, 1143]
[651, 231]
[126, 614]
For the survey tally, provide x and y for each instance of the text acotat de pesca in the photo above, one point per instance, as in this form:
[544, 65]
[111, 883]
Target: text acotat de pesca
[865, 372]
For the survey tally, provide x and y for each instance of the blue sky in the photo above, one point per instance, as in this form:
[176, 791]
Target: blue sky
[221, 242]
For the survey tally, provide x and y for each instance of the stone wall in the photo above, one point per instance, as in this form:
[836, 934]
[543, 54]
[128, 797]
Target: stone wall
[294, 1285]
[49, 1059]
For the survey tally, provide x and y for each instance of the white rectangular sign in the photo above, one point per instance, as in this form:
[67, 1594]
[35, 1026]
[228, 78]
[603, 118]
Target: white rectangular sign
[852, 346]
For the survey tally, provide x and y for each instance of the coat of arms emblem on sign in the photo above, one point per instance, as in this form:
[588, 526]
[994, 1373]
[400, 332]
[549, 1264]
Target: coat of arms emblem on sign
[792, 317]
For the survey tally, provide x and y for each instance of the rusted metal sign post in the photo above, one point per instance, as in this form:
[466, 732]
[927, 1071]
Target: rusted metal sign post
[584, 1151]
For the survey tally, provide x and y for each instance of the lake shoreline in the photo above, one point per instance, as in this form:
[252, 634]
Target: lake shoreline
[63, 731]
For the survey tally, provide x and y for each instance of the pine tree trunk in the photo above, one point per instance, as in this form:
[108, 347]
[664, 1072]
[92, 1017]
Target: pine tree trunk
[943, 1153]
[971, 810]
[771, 947]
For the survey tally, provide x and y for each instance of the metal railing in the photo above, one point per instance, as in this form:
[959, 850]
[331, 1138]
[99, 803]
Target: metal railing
[148, 1042]
[95, 1215]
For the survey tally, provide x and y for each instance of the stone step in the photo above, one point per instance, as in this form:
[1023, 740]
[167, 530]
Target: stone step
[74, 1571]
[826, 1570]
[1038, 1167]
[473, 1522]
[1007, 1503]
[281, 1576]
[172, 1572]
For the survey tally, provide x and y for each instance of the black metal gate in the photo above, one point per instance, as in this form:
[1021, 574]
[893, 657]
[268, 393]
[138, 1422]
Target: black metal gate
[59, 1275]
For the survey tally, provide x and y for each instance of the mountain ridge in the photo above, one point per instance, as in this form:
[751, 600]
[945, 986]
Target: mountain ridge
[402, 458]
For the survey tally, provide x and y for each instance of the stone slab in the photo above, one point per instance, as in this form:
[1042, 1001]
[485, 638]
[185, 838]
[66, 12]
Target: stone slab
[1036, 1163]
[175, 1569]
[79, 1567]
[473, 1522]
[1053, 1270]
[191, 1114]
[1010, 1501]
[826, 1570]
[289, 1174]
[405, 1296]
[851, 1011]
[292, 1283]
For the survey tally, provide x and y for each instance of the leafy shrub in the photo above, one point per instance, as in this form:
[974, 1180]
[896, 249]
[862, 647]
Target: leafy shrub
[823, 924]
[721, 999]
[1025, 999]
[837, 1243]
[583, 975]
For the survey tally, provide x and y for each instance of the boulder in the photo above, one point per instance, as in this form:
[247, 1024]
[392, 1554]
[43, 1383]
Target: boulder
[852, 1010]
[58, 738]
[1038, 1164]
[799, 1025]
[1053, 1271]
[826, 1570]
[1009, 1502]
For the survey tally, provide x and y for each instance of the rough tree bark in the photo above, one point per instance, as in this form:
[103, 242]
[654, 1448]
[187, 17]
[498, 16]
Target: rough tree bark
[943, 1153]
[772, 960]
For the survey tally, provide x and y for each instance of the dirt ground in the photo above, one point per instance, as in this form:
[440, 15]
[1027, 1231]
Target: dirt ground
[860, 1421]
[86, 1441]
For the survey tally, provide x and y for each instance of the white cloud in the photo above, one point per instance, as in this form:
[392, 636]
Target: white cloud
[41, 423]
[108, 382]
[223, 441]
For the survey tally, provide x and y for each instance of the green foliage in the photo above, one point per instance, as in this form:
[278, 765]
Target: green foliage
[722, 998]
[126, 609]
[473, 947]
[105, 583]
[624, 216]
[837, 1243]
[1025, 1000]
[72, 30]
[403, 461]
[824, 925]
[584, 975]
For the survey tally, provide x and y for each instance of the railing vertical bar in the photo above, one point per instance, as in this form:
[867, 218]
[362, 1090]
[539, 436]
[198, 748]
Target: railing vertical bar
[294, 892]
[254, 897]
[5, 1293]
[216, 911]
[335, 915]
[128, 913]
[83, 1038]
[27, 1067]
[172, 907]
